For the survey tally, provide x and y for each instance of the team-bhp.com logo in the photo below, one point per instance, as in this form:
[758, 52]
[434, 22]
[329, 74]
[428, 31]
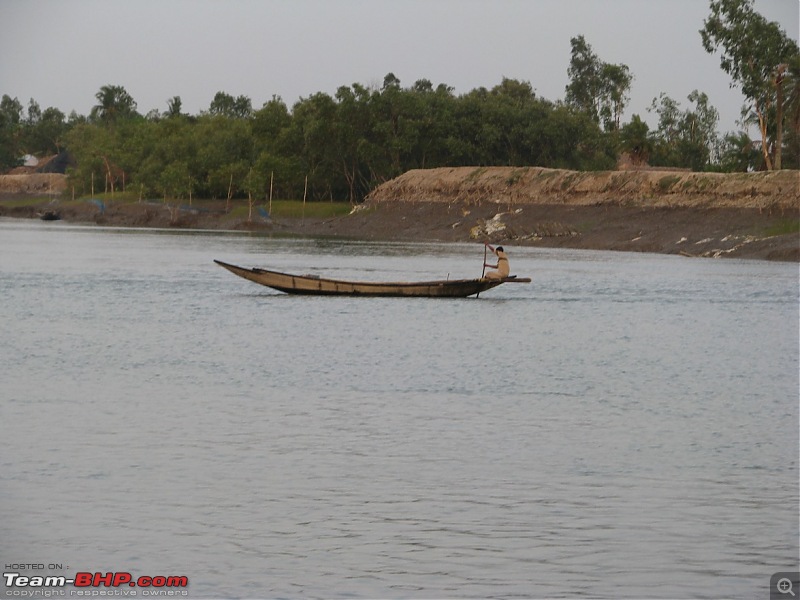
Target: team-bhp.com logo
[88, 584]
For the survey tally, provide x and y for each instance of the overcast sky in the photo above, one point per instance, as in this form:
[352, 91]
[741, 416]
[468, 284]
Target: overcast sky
[60, 52]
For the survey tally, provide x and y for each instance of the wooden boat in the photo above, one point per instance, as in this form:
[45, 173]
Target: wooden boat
[311, 284]
[50, 215]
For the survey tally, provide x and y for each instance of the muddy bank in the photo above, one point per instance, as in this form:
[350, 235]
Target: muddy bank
[753, 215]
[205, 215]
[693, 214]
[709, 232]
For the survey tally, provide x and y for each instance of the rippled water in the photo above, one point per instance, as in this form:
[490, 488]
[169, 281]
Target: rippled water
[626, 426]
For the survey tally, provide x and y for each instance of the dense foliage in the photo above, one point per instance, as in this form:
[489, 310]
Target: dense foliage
[340, 147]
[765, 63]
[344, 145]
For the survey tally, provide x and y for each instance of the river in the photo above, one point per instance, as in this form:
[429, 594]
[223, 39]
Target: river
[626, 426]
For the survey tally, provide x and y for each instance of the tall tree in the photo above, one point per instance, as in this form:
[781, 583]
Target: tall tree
[597, 88]
[174, 106]
[756, 53]
[44, 135]
[634, 140]
[269, 124]
[792, 146]
[583, 89]
[685, 138]
[739, 154]
[233, 108]
[314, 133]
[10, 120]
[615, 81]
[353, 133]
[10, 111]
[113, 103]
[511, 109]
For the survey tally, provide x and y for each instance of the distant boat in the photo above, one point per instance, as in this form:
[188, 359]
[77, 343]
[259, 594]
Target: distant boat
[312, 285]
[50, 215]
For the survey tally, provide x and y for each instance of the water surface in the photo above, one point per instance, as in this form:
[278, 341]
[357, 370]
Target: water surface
[626, 426]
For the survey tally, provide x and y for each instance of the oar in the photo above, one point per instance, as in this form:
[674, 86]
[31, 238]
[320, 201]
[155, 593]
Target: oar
[483, 271]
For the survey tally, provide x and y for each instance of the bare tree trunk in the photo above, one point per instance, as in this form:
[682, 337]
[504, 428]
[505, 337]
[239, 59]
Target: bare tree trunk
[271, 176]
[109, 176]
[762, 126]
[779, 116]
[230, 190]
[350, 177]
[305, 191]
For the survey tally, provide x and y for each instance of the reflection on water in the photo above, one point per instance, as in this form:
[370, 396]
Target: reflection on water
[623, 427]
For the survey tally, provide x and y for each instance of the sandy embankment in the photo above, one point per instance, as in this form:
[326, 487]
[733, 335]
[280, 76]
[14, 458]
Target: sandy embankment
[703, 214]
[643, 187]
[33, 184]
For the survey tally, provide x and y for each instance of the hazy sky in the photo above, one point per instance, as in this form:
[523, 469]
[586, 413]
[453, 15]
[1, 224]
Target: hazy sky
[60, 52]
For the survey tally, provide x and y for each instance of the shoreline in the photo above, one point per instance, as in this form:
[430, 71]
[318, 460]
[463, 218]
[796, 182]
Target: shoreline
[741, 215]
[692, 232]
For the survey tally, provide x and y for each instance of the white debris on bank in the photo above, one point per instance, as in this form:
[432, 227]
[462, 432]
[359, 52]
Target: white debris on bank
[490, 228]
[358, 208]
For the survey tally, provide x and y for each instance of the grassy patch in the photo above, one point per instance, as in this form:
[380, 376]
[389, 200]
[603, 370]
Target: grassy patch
[293, 209]
[476, 174]
[515, 176]
[34, 201]
[313, 210]
[698, 184]
[617, 181]
[783, 227]
[121, 197]
[570, 180]
[238, 208]
[666, 182]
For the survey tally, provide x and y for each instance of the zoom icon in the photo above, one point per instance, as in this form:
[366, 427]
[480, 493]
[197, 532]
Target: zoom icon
[784, 585]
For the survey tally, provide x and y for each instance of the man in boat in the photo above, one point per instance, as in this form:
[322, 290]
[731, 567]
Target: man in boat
[503, 269]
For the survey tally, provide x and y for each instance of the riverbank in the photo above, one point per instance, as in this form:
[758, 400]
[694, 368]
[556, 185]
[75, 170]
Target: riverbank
[745, 215]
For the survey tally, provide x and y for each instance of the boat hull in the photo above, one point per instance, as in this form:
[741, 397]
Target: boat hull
[318, 286]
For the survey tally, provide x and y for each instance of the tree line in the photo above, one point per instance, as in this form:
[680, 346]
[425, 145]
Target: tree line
[340, 147]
